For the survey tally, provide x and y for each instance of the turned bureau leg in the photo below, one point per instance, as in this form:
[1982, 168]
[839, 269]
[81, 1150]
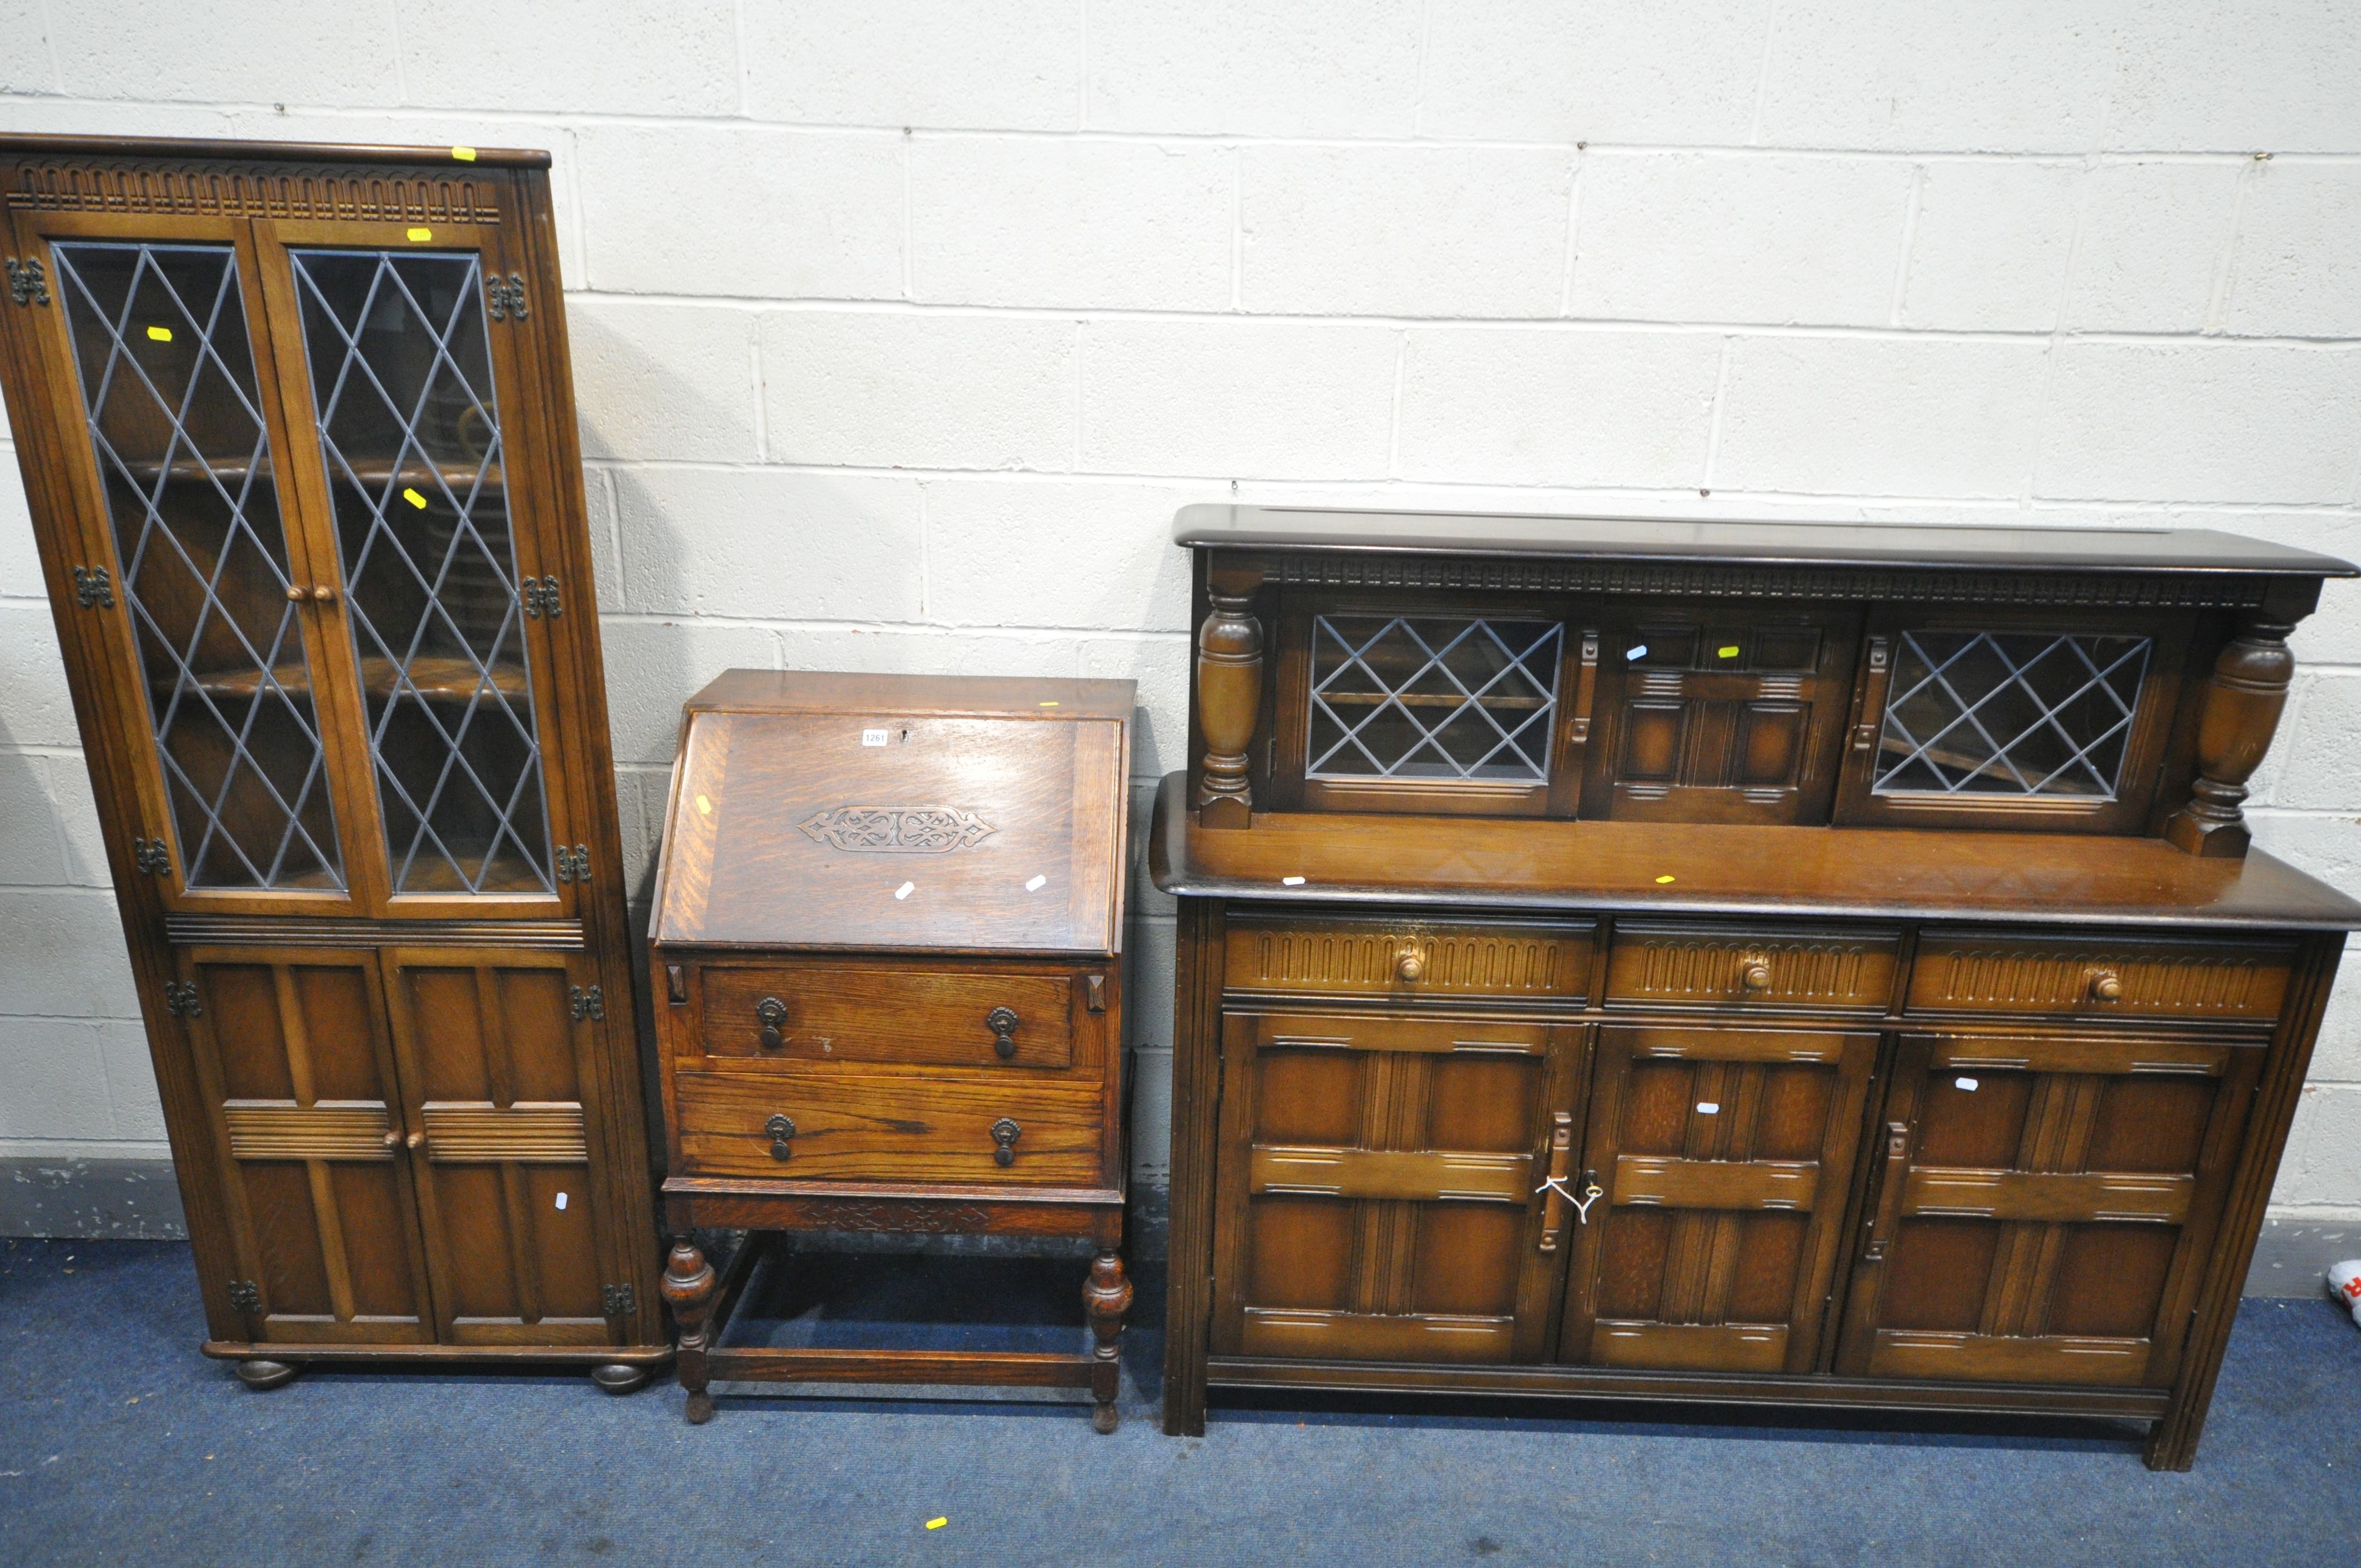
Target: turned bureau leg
[688, 1287]
[1106, 1297]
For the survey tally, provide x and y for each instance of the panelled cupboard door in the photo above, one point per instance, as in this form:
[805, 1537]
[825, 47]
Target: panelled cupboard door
[2045, 1206]
[298, 1073]
[496, 1052]
[1378, 1186]
[189, 559]
[1722, 1159]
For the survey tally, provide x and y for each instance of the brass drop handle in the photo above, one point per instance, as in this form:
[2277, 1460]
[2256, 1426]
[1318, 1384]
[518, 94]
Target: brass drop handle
[1005, 1134]
[416, 1141]
[783, 1137]
[1755, 975]
[1002, 1022]
[2107, 986]
[771, 1012]
[1411, 966]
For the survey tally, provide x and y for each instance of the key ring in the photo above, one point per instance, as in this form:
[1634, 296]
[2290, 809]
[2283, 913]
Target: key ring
[1591, 1194]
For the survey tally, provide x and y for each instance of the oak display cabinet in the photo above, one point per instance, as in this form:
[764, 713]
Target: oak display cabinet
[297, 427]
[1726, 963]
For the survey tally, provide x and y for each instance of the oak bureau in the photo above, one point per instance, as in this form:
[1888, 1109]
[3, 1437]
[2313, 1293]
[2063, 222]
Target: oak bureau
[1752, 963]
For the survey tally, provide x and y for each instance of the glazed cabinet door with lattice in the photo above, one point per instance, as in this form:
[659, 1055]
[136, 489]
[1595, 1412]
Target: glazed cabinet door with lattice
[300, 472]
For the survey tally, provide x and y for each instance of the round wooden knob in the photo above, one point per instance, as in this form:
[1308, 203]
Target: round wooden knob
[1410, 967]
[416, 1140]
[295, 593]
[2107, 986]
[392, 1139]
[323, 592]
[1755, 975]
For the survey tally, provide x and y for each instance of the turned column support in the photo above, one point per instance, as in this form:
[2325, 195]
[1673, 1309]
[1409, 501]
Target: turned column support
[2243, 702]
[688, 1290]
[1229, 695]
[1106, 1297]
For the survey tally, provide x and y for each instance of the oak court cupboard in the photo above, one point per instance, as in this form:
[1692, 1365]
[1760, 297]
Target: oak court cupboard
[297, 427]
[1745, 963]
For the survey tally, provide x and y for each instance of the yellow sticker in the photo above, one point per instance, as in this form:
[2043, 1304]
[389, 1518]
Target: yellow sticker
[1661, 880]
[421, 234]
[160, 334]
[937, 1524]
[704, 806]
[414, 499]
[1730, 651]
[464, 154]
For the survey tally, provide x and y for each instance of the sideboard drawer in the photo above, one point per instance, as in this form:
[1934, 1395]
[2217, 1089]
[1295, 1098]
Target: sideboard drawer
[945, 1018]
[907, 1128]
[1379, 956]
[1660, 964]
[2148, 977]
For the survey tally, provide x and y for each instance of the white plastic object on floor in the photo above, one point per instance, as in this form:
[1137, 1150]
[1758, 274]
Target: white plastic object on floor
[2345, 1284]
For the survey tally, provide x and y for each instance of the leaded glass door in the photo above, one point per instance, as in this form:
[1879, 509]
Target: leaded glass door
[403, 369]
[195, 566]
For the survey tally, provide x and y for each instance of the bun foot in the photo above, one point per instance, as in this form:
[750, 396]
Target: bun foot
[619, 1378]
[262, 1375]
[700, 1407]
[1104, 1418]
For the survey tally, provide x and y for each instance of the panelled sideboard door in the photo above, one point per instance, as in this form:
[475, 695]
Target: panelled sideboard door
[1383, 1189]
[2045, 1206]
[1724, 1158]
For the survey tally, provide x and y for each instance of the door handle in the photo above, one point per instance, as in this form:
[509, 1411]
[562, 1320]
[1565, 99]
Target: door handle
[1889, 1172]
[1561, 1160]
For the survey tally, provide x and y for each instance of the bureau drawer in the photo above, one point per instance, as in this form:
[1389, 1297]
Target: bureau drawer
[1787, 968]
[1374, 955]
[2147, 977]
[827, 1012]
[844, 1126]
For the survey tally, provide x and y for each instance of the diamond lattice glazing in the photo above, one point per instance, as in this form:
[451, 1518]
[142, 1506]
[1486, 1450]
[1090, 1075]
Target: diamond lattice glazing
[1432, 697]
[402, 389]
[2009, 713]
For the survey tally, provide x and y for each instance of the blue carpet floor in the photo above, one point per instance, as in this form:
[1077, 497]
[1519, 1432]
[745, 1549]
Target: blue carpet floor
[120, 1445]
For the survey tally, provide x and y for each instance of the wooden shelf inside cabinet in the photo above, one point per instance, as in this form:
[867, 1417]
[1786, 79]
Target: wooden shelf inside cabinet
[428, 678]
[461, 480]
[1865, 993]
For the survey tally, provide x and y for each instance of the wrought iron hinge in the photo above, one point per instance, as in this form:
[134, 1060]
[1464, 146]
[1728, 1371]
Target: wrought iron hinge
[503, 299]
[152, 856]
[94, 588]
[180, 999]
[588, 1002]
[574, 864]
[621, 1300]
[27, 284]
[244, 1296]
[540, 598]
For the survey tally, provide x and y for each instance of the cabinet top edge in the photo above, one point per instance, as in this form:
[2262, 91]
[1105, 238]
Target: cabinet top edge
[1217, 526]
[961, 697]
[1692, 869]
[21, 145]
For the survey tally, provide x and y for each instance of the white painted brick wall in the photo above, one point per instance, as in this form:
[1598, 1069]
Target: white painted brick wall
[902, 328]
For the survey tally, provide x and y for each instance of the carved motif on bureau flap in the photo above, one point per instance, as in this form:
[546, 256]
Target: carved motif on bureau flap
[897, 829]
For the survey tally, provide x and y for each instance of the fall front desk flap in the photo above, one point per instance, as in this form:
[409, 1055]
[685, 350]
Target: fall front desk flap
[898, 812]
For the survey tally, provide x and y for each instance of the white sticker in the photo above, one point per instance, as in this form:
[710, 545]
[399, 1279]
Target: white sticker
[875, 736]
[1968, 1083]
[1036, 884]
[561, 1200]
[1640, 652]
[1708, 1107]
[906, 890]
[1290, 881]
